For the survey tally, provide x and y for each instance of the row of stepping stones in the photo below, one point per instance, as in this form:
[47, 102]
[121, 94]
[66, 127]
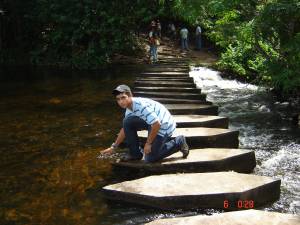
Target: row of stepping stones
[216, 172]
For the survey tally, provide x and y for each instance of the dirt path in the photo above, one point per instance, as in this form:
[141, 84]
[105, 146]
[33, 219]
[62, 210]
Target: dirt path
[202, 57]
[167, 49]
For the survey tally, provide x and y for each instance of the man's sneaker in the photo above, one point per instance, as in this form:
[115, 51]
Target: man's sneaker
[184, 148]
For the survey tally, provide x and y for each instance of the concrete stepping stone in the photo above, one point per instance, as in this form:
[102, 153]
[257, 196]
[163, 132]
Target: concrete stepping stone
[165, 84]
[244, 217]
[196, 190]
[180, 79]
[173, 61]
[179, 109]
[165, 74]
[169, 89]
[203, 137]
[178, 95]
[181, 101]
[167, 69]
[169, 66]
[199, 160]
[201, 121]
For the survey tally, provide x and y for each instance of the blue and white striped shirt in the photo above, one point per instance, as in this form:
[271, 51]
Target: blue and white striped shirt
[151, 111]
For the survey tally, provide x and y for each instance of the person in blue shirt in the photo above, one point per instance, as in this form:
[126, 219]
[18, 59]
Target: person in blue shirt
[146, 114]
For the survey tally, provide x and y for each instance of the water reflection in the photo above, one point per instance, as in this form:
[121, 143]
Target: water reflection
[51, 131]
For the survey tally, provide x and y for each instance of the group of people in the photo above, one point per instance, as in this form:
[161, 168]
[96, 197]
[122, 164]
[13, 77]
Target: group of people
[184, 36]
[154, 36]
[147, 114]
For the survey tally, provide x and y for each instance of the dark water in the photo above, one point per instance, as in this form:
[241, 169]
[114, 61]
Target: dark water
[53, 124]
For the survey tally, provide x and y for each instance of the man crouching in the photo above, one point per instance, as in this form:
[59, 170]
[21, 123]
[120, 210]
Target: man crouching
[146, 114]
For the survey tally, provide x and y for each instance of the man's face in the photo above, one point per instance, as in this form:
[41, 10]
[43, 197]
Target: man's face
[123, 100]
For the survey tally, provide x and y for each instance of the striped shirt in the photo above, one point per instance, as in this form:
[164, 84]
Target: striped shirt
[151, 111]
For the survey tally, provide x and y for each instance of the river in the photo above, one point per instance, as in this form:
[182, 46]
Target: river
[53, 124]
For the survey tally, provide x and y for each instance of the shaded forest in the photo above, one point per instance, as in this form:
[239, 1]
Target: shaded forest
[256, 39]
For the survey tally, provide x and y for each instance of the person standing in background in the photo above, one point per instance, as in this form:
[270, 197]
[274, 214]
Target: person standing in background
[173, 31]
[184, 38]
[153, 43]
[158, 25]
[198, 38]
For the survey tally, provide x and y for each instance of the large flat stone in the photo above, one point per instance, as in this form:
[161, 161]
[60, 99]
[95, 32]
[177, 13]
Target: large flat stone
[199, 160]
[179, 109]
[182, 79]
[165, 84]
[166, 69]
[160, 88]
[196, 190]
[178, 95]
[181, 101]
[165, 74]
[202, 137]
[173, 60]
[245, 217]
[170, 66]
[201, 121]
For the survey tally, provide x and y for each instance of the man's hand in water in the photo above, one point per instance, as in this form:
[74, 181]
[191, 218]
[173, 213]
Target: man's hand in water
[107, 151]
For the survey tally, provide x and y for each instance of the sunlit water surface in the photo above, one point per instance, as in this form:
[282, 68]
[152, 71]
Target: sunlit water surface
[53, 124]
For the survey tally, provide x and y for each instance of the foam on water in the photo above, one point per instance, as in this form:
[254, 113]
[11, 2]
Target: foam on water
[264, 127]
[205, 77]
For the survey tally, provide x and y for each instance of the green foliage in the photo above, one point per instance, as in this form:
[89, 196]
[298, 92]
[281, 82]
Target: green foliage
[78, 33]
[258, 39]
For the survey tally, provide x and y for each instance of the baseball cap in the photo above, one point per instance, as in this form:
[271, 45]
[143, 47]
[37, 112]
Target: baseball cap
[120, 89]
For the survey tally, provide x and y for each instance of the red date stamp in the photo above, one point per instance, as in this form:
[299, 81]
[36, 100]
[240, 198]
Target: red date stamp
[241, 204]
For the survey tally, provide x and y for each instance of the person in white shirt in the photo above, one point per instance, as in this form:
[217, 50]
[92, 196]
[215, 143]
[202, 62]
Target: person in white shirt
[184, 38]
[198, 38]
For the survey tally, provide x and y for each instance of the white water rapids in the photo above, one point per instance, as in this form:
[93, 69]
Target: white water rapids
[265, 126]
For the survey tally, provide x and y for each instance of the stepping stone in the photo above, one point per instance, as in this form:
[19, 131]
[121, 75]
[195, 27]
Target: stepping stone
[173, 61]
[203, 137]
[182, 79]
[169, 89]
[165, 83]
[199, 160]
[201, 121]
[165, 74]
[196, 190]
[181, 101]
[178, 95]
[245, 217]
[166, 69]
[179, 109]
[176, 65]
[168, 66]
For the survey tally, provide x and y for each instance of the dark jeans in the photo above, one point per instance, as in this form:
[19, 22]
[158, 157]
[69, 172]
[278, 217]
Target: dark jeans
[161, 146]
[184, 44]
[198, 42]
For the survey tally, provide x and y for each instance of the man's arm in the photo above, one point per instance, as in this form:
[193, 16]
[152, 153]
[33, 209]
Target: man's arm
[154, 130]
[119, 140]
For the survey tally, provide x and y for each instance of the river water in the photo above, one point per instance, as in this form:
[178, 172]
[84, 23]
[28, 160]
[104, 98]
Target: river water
[53, 124]
[265, 125]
